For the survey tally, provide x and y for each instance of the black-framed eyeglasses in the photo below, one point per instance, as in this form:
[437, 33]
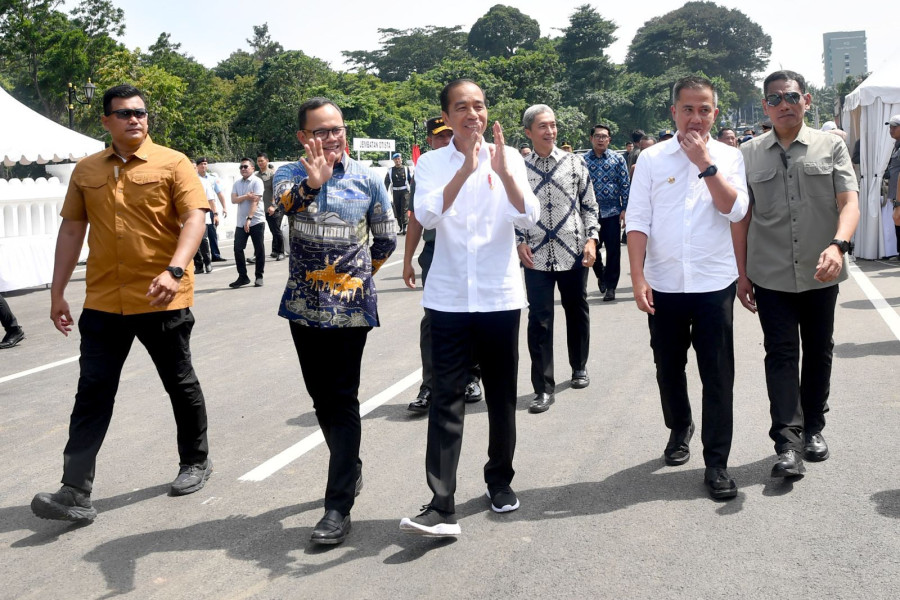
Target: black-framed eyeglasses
[789, 97]
[127, 113]
[322, 134]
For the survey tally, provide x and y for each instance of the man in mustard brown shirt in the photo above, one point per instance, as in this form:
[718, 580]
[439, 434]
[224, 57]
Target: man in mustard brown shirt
[146, 210]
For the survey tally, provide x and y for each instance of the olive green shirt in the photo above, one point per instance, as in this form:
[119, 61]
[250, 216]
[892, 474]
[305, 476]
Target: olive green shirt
[793, 199]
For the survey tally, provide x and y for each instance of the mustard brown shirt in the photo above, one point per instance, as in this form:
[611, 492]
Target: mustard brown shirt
[133, 210]
[793, 196]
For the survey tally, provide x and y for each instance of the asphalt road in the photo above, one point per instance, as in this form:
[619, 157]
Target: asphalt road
[601, 515]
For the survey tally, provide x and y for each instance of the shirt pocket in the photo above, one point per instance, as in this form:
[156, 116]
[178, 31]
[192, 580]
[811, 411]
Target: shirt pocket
[147, 188]
[817, 179]
[768, 189]
[94, 191]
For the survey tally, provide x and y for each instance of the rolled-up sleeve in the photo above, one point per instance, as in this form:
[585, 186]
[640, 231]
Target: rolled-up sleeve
[736, 176]
[529, 218]
[433, 173]
[640, 214]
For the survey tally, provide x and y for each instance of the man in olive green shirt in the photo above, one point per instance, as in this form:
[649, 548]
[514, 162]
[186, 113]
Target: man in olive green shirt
[791, 251]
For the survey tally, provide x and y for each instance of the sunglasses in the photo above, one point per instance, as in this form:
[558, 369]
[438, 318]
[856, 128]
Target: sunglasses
[127, 113]
[789, 97]
[245, 166]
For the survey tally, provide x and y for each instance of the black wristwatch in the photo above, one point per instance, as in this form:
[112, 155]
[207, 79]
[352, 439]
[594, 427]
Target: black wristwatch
[177, 272]
[843, 246]
[709, 172]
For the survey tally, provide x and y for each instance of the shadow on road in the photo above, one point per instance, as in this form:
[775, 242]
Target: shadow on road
[263, 539]
[851, 350]
[887, 503]
[16, 518]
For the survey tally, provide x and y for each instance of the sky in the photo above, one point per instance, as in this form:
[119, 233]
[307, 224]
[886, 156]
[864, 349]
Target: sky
[210, 31]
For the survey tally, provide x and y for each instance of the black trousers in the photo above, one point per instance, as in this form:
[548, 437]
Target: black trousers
[203, 256]
[704, 320]
[274, 223]
[798, 396]
[609, 237]
[106, 339]
[213, 236]
[7, 318]
[256, 235]
[493, 338]
[401, 205]
[425, 258]
[330, 361]
[540, 287]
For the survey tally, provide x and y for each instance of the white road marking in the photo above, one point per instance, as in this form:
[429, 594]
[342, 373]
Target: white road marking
[281, 460]
[58, 363]
[884, 309]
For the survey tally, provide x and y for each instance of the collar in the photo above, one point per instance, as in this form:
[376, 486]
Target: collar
[606, 154]
[143, 151]
[557, 154]
[483, 150]
[802, 137]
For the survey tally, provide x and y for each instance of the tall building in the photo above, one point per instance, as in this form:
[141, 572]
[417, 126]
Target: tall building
[845, 56]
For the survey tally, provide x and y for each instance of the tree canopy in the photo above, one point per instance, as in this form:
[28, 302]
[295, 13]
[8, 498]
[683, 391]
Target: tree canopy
[248, 101]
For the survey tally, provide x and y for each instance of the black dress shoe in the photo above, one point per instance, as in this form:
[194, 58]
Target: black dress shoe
[422, 401]
[12, 338]
[473, 392]
[609, 296]
[241, 281]
[719, 483]
[602, 286]
[815, 449]
[331, 529]
[541, 403]
[219, 259]
[678, 450]
[580, 379]
[789, 465]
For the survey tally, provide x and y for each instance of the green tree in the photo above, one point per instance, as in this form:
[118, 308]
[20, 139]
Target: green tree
[702, 36]
[590, 75]
[404, 52]
[262, 44]
[502, 31]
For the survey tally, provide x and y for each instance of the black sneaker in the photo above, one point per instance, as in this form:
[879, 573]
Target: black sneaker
[431, 523]
[191, 478]
[240, 281]
[503, 500]
[68, 504]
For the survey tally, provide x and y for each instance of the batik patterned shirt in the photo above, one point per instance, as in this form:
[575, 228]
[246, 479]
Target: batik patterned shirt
[568, 219]
[609, 173]
[338, 240]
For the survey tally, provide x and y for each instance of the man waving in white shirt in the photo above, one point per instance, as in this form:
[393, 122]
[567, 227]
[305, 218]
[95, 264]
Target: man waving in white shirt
[685, 194]
[474, 194]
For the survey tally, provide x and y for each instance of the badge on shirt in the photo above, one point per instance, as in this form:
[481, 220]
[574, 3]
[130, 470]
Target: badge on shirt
[671, 180]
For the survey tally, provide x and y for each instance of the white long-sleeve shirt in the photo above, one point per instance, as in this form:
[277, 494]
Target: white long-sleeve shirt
[689, 246]
[475, 266]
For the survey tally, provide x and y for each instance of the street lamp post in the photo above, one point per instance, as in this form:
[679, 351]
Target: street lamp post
[73, 98]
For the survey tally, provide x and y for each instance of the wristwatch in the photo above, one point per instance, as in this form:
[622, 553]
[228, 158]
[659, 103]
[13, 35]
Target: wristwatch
[843, 246]
[709, 172]
[177, 272]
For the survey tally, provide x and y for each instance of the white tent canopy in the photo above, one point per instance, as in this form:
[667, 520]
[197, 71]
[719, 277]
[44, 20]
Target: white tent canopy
[30, 137]
[866, 110]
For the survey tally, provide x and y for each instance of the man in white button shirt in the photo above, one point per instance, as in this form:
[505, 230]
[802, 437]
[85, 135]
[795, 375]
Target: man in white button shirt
[474, 194]
[685, 194]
